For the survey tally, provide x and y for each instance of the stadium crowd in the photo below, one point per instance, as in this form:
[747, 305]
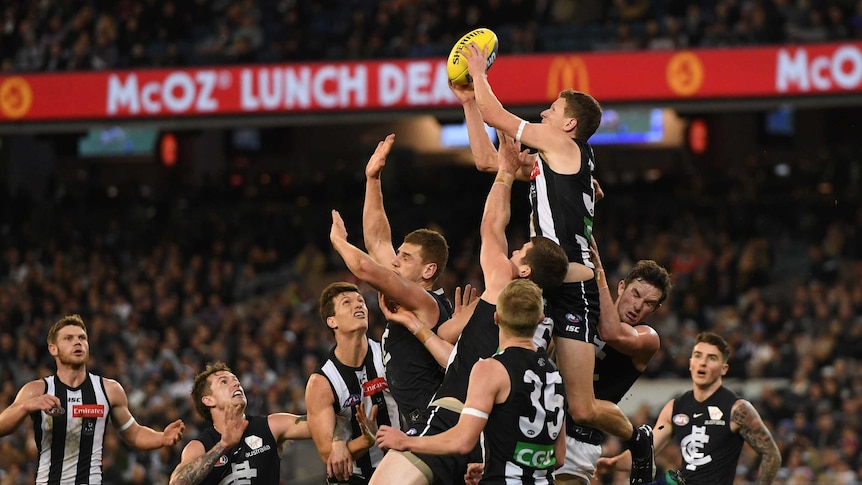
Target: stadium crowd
[56, 35]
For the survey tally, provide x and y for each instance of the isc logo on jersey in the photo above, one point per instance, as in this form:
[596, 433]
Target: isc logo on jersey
[534, 456]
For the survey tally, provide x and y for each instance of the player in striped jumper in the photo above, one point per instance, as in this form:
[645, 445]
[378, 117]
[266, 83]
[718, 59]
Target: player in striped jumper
[71, 410]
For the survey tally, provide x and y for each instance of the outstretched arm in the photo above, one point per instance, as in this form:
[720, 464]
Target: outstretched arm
[484, 152]
[489, 383]
[136, 435]
[287, 426]
[750, 426]
[494, 252]
[375, 225]
[555, 144]
[408, 294]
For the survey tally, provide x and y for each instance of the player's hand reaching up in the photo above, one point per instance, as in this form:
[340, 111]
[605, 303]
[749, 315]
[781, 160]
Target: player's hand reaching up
[378, 158]
[367, 424]
[234, 425]
[509, 155]
[464, 92]
[338, 232]
[477, 59]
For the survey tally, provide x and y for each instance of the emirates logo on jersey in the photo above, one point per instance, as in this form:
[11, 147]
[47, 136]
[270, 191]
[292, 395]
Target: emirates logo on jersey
[374, 386]
[88, 411]
[536, 171]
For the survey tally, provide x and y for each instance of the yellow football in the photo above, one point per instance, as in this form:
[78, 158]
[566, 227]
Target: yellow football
[456, 66]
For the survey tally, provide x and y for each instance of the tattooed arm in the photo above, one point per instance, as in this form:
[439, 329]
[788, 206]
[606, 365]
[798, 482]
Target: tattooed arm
[287, 426]
[746, 421]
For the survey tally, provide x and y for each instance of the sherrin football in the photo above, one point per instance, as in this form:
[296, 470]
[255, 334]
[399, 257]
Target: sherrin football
[456, 66]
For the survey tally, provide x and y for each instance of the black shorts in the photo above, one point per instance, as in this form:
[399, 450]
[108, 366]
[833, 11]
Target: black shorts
[574, 307]
[447, 469]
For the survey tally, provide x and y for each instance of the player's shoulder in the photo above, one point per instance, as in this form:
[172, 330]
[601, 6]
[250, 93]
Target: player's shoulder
[34, 387]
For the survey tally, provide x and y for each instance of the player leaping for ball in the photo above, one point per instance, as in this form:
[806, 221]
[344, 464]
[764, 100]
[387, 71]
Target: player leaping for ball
[563, 198]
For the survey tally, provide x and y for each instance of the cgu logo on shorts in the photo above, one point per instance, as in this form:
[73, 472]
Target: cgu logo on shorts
[567, 73]
[533, 455]
[88, 411]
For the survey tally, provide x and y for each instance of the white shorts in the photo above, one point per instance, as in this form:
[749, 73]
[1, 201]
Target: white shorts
[581, 459]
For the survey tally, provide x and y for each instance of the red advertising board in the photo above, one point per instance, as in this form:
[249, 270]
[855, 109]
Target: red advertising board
[803, 70]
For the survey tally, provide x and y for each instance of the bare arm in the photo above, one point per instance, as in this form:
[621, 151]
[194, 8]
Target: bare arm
[321, 424]
[750, 426]
[663, 429]
[287, 426]
[134, 434]
[30, 398]
[641, 342]
[484, 152]
[375, 225]
[196, 462]
[408, 294]
[489, 381]
[556, 145]
[494, 252]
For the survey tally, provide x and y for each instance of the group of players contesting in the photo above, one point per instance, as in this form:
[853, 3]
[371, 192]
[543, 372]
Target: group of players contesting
[519, 384]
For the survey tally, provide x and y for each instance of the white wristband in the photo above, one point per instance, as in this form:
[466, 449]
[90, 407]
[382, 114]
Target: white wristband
[520, 131]
[128, 424]
[475, 412]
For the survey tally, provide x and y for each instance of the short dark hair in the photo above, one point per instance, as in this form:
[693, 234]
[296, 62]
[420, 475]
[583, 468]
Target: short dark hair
[520, 307]
[326, 305]
[75, 320]
[585, 109]
[548, 262]
[434, 248]
[714, 339]
[202, 388]
[652, 273]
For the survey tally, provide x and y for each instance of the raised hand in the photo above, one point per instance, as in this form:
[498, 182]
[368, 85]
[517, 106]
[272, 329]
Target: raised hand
[337, 232]
[464, 92]
[234, 425]
[464, 298]
[367, 424]
[378, 158]
[477, 59]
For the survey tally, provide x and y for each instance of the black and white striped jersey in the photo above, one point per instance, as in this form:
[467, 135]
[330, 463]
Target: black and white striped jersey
[70, 444]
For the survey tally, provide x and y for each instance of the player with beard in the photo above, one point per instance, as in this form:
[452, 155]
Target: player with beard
[71, 409]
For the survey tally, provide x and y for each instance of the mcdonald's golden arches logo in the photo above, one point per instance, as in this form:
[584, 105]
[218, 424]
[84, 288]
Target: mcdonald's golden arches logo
[567, 73]
[685, 73]
[16, 97]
